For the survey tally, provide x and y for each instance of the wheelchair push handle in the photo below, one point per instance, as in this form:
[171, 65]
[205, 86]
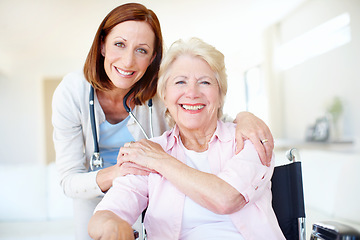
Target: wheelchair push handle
[293, 155]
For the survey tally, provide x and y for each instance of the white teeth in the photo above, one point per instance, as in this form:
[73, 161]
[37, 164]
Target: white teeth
[123, 72]
[192, 107]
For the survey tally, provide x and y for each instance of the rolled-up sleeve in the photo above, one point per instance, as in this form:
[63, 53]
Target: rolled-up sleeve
[246, 173]
[127, 198]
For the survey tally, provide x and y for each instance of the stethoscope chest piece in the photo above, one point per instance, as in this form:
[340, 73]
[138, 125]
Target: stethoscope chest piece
[96, 162]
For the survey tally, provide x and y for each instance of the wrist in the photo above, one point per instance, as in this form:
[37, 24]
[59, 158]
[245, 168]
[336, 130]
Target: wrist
[167, 165]
[242, 115]
[104, 178]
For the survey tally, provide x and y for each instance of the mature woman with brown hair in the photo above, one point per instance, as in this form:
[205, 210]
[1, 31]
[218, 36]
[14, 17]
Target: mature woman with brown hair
[123, 62]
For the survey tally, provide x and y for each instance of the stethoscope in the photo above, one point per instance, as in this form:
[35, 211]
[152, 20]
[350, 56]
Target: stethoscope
[96, 161]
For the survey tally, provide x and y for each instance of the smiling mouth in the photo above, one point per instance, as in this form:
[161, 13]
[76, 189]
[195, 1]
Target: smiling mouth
[192, 107]
[126, 73]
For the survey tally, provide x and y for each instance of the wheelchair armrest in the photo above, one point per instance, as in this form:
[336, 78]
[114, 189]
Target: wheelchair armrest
[334, 231]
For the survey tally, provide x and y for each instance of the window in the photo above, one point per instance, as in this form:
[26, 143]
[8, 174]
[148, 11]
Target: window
[324, 38]
[255, 94]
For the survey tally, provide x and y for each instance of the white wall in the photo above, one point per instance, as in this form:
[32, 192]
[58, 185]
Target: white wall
[308, 88]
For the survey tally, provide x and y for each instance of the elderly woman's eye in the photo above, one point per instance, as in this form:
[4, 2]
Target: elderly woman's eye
[179, 82]
[205, 83]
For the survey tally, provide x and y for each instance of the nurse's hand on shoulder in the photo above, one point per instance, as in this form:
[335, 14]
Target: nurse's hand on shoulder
[253, 128]
[132, 168]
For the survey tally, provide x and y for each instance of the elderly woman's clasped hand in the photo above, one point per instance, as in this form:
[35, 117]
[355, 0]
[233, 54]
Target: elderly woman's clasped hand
[144, 153]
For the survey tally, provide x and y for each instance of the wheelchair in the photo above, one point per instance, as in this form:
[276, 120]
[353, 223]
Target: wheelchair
[288, 197]
[289, 207]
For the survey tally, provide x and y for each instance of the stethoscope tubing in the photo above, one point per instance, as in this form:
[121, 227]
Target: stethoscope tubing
[92, 119]
[150, 121]
[128, 109]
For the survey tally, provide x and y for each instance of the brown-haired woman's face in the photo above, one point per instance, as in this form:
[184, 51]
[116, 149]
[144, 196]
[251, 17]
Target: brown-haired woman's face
[128, 51]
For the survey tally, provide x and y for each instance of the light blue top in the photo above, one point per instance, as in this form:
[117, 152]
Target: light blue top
[112, 137]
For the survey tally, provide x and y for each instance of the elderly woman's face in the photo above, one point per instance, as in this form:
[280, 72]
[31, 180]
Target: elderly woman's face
[192, 93]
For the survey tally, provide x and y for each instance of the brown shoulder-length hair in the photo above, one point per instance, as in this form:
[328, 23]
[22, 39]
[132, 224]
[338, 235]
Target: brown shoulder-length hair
[94, 70]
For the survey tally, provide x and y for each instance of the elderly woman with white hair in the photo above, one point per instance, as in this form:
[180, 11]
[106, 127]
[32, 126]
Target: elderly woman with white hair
[200, 188]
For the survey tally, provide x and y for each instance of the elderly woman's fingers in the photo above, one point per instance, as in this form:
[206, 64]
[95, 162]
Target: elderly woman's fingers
[132, 168]
[143, 153]
[128, 144]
